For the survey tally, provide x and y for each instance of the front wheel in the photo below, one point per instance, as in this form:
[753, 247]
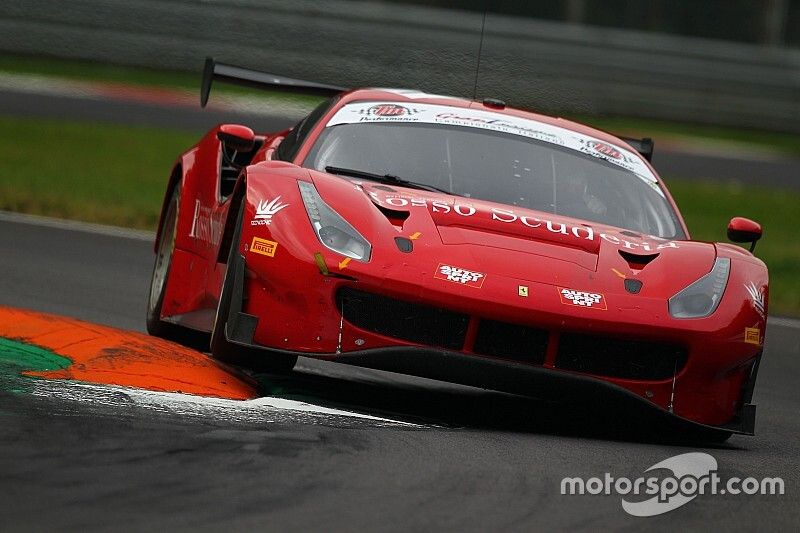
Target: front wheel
[221, 348]
[158, 284]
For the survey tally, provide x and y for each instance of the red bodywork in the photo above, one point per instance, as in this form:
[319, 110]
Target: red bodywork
[526, 257]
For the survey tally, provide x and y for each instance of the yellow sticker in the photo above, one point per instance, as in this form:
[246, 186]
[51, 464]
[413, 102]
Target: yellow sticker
[523, 290]
[752, 336]
[263, 247]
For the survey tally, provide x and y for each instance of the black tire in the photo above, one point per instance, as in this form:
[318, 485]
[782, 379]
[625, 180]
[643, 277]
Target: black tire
[259, 360]
[158, 281]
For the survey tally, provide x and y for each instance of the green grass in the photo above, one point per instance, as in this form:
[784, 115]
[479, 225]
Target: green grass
[117, 174]
[93, 172]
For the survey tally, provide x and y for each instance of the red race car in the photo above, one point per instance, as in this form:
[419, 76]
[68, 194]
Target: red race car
[459, 240]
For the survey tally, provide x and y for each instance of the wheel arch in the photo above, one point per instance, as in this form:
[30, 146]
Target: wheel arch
[237, 196]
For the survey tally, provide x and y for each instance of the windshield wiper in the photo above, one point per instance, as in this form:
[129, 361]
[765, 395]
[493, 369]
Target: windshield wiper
[384, 178]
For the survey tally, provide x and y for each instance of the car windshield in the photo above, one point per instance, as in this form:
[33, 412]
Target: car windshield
[500, 167]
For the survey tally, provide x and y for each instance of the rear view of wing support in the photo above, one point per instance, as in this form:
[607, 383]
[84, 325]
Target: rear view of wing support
[643, 146]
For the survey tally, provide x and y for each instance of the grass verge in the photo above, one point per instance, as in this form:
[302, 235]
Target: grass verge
[117, 174]
[93, 172]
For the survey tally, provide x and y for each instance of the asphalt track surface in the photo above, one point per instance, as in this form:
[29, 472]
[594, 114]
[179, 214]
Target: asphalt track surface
[775, 171]
[470, 460]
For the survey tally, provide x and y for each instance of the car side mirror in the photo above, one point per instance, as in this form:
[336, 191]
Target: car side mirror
[742, 229]
[237, 137]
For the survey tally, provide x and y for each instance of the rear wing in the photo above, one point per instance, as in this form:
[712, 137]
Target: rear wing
[643, 146]
[259, 80]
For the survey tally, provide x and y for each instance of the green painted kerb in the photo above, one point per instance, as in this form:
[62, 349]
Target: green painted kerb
[17, 357]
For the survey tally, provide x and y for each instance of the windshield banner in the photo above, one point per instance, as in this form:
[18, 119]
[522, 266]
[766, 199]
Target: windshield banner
[359, 112]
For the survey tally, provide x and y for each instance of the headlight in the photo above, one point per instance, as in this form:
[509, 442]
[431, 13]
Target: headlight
[702, 297]
[332, 230]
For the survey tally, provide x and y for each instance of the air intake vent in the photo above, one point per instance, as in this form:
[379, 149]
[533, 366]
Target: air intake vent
[397, 218]
[637, 261]
[404, 320]
[603, 356]
[511, 341]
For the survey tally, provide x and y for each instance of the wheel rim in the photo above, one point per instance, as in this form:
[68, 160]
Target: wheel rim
[163, 257]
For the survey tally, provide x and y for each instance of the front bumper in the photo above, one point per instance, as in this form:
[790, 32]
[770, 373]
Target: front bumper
[540, 381]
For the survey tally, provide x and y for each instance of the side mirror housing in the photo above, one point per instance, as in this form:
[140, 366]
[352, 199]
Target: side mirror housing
[236, 137]
[742, 229]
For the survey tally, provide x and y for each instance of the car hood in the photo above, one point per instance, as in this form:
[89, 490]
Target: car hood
[525, 244]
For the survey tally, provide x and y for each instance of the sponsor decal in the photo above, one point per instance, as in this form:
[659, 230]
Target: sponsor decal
[594, 300]
[752, 336]
[263, 247]
[604, 149]
[643, 245]
[460, 275]
[389, 110]
[204, 228]
[265, 210]
[509, 216]
[758, 299]
[522, 290]
[359, 112]
[670, 484]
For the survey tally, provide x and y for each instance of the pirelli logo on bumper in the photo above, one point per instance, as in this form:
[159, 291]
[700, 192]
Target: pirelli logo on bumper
[263, 247]
[752, 336]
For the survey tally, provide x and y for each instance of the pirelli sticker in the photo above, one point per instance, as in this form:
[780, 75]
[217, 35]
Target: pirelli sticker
[752, 336]
[593, 300]
[263, 247]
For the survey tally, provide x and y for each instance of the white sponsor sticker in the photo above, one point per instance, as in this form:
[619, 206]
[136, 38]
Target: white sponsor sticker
[460, 275]
[582, 299]
[265, 210]
[758, 299]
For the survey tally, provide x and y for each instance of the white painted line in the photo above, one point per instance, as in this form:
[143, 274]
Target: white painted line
[75, 225]
[785, 322]
[257, 411]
